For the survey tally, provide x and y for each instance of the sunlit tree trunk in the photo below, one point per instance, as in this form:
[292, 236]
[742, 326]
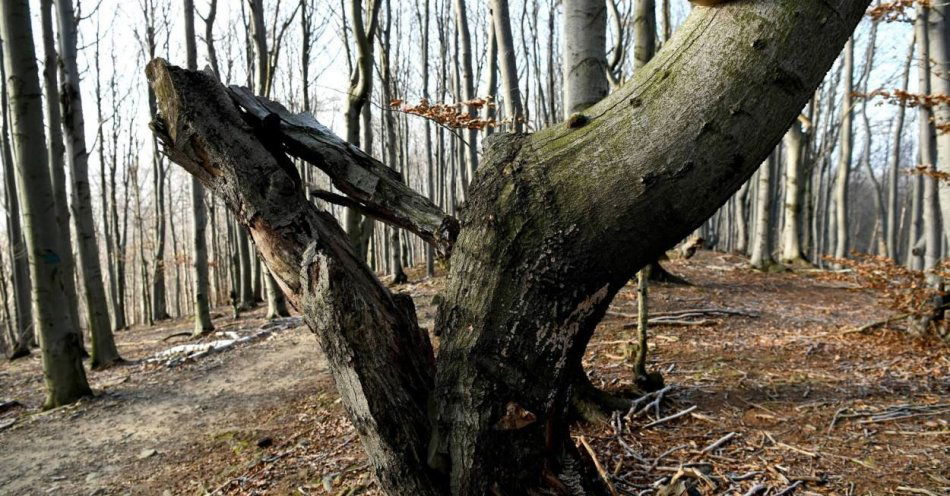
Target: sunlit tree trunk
[585, 40]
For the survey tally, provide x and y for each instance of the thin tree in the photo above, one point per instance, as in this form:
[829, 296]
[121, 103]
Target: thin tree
[104, 352]
[844, 153]
[203, 324]
[509, 67]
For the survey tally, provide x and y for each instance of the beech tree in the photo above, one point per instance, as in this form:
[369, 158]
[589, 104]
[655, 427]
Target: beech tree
[104, 352]
[60, 339]
[556, 223]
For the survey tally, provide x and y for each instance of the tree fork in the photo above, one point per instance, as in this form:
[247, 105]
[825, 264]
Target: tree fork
[543, 248]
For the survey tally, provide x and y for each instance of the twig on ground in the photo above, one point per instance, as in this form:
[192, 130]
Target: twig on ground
[721, 441]
[670, 417]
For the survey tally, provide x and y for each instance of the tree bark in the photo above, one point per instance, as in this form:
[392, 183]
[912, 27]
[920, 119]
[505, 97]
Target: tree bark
[761, 258]
[791, 232]
[57, 165]
[19, 259]
[104, 352]
[507, 63]
[893, 163]
[491, 416]
[62, 352]
[932, 234]
[644, 28]
[585, 64]
[844, 153]
[199, 212]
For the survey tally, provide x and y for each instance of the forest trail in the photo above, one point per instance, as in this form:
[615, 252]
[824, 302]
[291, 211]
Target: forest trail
[795, 398]
[149, 415]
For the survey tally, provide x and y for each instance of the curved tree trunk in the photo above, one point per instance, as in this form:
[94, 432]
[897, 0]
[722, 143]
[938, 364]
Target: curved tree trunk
[491, 415]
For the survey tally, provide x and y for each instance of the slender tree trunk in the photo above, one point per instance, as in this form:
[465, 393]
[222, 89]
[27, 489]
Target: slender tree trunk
[18, 250]
[468, 89]
[761, 258]
[939, 36]
[104, 352]
[791, 232]
[930, 208]
[62, 352]
[844, 153]
[509, 66]
[742, 226]
[894, 159]
[199, 211]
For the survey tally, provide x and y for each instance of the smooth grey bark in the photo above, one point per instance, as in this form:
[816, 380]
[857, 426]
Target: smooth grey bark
[585, 63]
[761, 258]
[468, 89]
[932, 234]
[360, 90]
[19, 259]
[246, 290]
[742, 226]
[491, 415]
[644, 31]
[843, 175]
[199, 212]
[157, 304]
[104, 352]
[389, 123]
[939, 36]
[430, 166]
[59, 339]
[508, 66]
[791, 228]
[893, 162]
[56, 149]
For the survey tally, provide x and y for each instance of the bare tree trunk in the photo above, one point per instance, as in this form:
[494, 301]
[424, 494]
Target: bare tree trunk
[199, 211]
[931, 210]
[468, 89]
[791, 232]
[62, 352]
[360, 90]
[894, 159]
[19, 259]
[490, 413]
[585, 64]
[742, 230]
[761, 258]
[844, 153]
[939, 36]
[104, 352]
[56, 158]
[509, 66]
[644, 28]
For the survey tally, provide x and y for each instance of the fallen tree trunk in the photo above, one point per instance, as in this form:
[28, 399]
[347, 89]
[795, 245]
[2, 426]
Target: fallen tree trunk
[557, 222]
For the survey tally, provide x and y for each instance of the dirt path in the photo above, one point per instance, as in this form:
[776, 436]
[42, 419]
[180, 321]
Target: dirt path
[155, 416]
[797, 400]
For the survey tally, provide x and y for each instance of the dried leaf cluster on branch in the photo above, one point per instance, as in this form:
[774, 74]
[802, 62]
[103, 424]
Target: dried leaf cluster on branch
[452, 115]
[926, 170]
[905, 98]
[895, 11]
[903, 290]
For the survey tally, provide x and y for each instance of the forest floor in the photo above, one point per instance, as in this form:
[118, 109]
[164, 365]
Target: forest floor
[795, 400]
